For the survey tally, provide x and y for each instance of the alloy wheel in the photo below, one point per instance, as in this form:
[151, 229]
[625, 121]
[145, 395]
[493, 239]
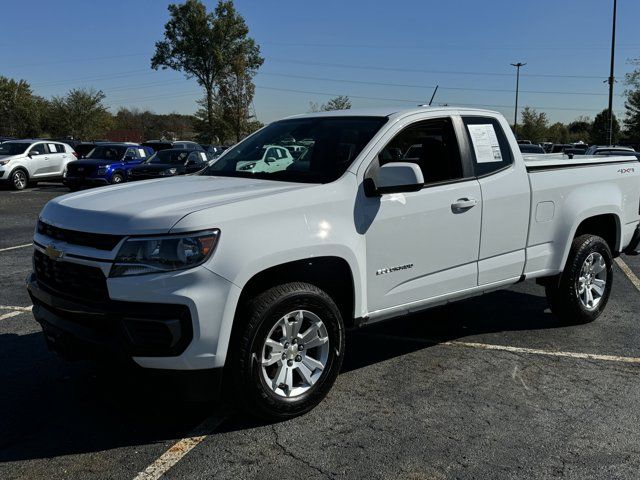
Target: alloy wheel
[295, 353]
[592, 282]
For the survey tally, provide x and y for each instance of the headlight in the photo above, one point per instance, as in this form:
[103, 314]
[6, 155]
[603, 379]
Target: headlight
[168, 171]
[248, 166]
[4, 162]
[101, 171]
[143, 255]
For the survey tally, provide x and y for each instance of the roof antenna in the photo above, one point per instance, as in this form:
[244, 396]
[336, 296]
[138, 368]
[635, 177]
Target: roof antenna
[434, 95]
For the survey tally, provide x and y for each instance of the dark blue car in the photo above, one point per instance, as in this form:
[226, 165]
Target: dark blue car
[107, 163]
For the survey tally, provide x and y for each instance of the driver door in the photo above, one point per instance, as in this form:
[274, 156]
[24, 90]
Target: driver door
[38, 163]
[424, 245]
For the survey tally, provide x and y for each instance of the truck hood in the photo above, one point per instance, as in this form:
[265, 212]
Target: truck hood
[152, 206]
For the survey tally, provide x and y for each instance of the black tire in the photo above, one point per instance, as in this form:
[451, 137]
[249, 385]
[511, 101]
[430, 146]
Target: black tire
[563, 296]
[19, 179]
[244, 376]
[117, 178]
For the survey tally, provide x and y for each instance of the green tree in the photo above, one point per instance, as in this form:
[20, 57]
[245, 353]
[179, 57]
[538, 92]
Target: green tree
[341, 102]
[215, 49]
[632, 103]
[600, 129]
[632, 120]
[558, 133]
[80, 114]
[533, 126]
[20, 110]
[580, 129]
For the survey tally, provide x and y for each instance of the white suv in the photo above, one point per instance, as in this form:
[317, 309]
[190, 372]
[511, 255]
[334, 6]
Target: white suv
[29, 161]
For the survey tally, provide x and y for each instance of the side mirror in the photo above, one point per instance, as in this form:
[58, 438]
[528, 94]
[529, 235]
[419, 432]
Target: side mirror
[395, 177]
[270, 159]
[33, 153]
[129, 158]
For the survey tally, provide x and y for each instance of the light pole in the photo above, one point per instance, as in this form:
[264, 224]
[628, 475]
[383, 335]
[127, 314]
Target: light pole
[515, 114]
[611, 77]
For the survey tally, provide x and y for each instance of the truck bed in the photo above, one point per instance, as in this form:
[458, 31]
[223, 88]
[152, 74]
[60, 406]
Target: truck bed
[589, 185]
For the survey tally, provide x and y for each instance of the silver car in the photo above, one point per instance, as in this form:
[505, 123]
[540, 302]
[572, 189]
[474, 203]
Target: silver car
[30, 161]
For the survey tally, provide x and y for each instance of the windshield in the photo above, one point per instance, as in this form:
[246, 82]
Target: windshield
[308, 150]
[13, 148]
[104, 152]
[167, 157]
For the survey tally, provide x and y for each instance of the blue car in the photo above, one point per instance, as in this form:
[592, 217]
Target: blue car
[107, 163]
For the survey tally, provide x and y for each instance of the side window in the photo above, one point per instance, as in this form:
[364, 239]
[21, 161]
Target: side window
[194, 157]
[488, 144]
[131, 152]
[430, 144]
[41, 148]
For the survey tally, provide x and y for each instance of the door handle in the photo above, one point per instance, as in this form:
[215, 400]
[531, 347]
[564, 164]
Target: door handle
[463, 204]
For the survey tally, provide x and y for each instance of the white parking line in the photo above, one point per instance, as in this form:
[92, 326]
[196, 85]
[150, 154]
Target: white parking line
[179, 449]
[628, 272]
[551, 353]
[16, 247]
[11, 307]
[507, 348]
[9, 315]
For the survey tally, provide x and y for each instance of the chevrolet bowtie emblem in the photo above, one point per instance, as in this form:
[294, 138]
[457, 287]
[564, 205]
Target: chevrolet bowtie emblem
[53, 253]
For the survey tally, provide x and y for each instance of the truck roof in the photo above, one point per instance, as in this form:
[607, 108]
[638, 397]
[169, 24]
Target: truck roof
[389, 111]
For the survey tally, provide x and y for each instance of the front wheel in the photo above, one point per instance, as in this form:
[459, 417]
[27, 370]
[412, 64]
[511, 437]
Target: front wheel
[19, 179]
[288, 353]
[117, 178]
[584, 287]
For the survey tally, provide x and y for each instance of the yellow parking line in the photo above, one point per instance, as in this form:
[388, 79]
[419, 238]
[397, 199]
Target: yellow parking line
[629, 273]
[179, 449]
[11, 307]
[16, 247]
[9, 315]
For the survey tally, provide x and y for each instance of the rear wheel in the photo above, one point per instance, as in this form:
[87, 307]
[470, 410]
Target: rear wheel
[583, 289]
[288, 353]
[19, 179]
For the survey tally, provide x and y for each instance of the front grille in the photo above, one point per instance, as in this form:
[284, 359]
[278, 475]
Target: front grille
[70, 279]
[80, 170]
[100, 241]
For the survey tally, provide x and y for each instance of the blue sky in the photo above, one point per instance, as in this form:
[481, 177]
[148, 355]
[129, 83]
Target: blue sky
[379, 53]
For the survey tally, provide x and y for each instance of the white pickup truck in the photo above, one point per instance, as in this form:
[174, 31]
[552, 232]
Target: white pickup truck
[251, 277]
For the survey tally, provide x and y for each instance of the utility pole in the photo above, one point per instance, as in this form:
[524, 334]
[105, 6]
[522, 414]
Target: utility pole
[611, 77]
[515, 115]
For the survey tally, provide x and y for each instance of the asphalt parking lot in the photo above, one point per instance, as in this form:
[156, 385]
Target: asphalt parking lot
[488, 388]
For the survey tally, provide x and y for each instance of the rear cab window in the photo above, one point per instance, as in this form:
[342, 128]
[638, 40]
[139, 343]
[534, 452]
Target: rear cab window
[488, 145]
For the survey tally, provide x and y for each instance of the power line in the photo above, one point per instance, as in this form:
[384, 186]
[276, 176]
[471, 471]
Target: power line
[405, 85]
[417, 70]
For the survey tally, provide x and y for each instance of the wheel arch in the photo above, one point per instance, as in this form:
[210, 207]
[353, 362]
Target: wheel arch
[605, 225]
[329, 273]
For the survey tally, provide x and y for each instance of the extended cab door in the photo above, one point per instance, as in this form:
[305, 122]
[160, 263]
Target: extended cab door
[504, 183]
[422, 245]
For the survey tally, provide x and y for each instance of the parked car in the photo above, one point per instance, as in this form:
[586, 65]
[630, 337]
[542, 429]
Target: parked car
[158, 145]
[107, 163]
[609, 150]
[267, 158]
[530, 148]
[169, 163]
[572, 152]
[259, 272]
[213, 151]
[24, 162]
[83, 148]
[560, 147]
[524, 142]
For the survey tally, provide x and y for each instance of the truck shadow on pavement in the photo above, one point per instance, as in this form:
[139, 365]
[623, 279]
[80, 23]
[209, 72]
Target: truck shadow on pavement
[51, 407]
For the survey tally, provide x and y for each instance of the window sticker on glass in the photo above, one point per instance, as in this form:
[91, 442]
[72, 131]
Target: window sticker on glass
[52, 148]
[485, 143]
[142, 153]
[203, 156]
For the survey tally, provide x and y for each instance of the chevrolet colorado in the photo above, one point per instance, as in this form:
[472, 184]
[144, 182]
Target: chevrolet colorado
[251, 276]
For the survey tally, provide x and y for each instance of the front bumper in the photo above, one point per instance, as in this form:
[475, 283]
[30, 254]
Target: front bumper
[158, 305]
[83, 181]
